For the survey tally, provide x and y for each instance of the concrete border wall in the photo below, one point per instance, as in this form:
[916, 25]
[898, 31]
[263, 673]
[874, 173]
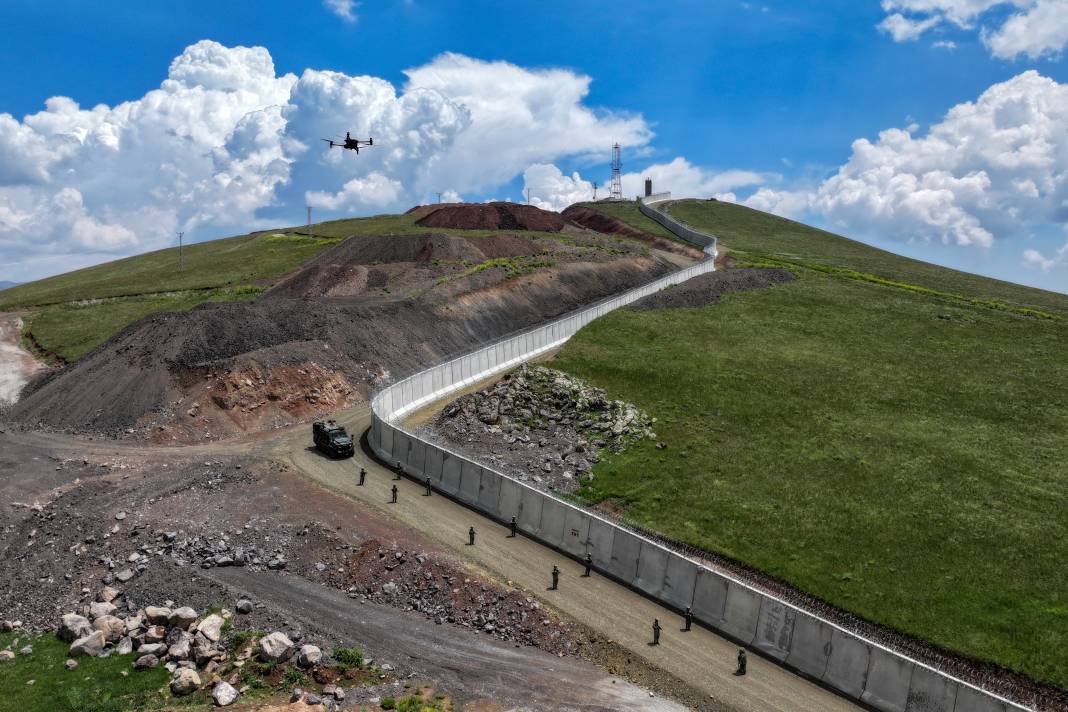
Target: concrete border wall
[857, 668]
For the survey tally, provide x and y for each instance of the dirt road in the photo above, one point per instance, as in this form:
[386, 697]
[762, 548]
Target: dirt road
[699, 658]
[470, 666]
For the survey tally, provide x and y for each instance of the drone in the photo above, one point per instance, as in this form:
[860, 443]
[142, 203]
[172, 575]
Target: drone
[353, 144]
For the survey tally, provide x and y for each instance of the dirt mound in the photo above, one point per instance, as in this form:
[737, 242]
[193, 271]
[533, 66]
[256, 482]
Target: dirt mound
[594, 220]
[490, 216]
[221, 369]
[707, 288]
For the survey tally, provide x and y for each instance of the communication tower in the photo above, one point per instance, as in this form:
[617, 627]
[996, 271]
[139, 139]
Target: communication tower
[617, 167]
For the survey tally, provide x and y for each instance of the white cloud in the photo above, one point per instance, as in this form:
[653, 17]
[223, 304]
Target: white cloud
[945, 44]
[903, 29]
[224, 139]
[1035, 28]
[1041, 30]
[550, 189]
[345, 9]
[993, 167]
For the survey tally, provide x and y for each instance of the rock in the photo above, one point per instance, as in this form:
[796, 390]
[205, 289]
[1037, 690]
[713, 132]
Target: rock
[120, 516]
[98, 609]
[124, 575]
[185, 682]
[311, 699]
[223, 693]
[297, 695]
[26, 650]
[182, 617]
[276, 564]
[133, 623]
[73, 627]
[152, 648]
[124, 647]
[146, 662]
[113, 628]
[211, 627]
[91, 645]
[155, 633]
[6, 655]
[309, 656]
[275, 647]
[157, 615]
[107, 594]
[71, 664]
[203, 649]
[244, 606]
[180, 650]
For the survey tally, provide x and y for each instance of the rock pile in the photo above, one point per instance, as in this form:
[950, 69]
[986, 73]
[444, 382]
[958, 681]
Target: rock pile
[545, 425]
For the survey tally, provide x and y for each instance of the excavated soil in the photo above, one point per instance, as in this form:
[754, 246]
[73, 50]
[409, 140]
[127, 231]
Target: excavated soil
[489, 216]
[608, 225]
[708, 288]
[358, 315]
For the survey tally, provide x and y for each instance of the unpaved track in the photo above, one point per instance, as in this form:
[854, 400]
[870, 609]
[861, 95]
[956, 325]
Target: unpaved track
[700, 658]
[469, 665]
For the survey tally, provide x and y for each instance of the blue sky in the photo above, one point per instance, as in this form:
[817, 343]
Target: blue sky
[771, 93]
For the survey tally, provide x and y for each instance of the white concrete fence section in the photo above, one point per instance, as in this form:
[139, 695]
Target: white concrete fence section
[857, 668]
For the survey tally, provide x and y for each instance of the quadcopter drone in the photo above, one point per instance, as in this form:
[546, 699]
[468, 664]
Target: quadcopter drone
[353, 144]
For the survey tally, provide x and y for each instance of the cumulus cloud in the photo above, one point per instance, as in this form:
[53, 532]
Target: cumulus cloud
[1011, 28]
[226, 144]
[345, 9]
[993, 167]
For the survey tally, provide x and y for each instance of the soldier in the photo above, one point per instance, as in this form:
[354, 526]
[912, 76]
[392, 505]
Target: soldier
[512, 525]
[363, 476]
[396, 475]
[741, 662]
[428, 490]
[394, 490]
[656, 631]
[589, 565]
[471, 536]
[688, 618]
[556, 578]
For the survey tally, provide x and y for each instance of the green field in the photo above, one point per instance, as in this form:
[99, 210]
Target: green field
[885, 434]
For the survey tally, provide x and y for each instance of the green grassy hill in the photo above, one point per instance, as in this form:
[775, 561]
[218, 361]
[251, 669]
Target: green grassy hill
[886, 434]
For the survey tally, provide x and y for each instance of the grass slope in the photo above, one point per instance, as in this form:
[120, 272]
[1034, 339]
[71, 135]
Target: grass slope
[897, 453]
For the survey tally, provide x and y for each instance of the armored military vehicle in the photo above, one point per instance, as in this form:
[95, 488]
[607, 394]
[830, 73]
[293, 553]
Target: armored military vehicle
[332, 440]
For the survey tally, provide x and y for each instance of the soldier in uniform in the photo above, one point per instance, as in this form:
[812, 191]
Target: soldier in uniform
[589, 565]
[471, 536]
[428, 489]
[556, 578]
[512, 525]
[363, 476]
[394, 494]
[741, 662]
[656, 631]
[688, 618]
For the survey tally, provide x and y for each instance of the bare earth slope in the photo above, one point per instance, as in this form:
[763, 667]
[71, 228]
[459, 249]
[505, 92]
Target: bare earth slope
[361, 312]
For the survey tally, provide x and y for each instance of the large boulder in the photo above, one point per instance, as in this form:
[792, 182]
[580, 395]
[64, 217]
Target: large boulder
[157, 615]
[309, 656]
[223, 693]
[152, 649]
[155, 634]
[146, 662]
[113, 628]
[182, 617]
[92, 645]
[180, 645]
[107, 594]
[211, 627]
[185, 682]
[73, 627]
[275, 647]
[100, 608]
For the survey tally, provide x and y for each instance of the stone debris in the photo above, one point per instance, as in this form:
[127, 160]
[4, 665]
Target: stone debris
[544, 425]
[224, 693]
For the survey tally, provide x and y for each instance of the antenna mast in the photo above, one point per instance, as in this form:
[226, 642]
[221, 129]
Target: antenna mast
[617, 167]
[595, 191]
[181, 257]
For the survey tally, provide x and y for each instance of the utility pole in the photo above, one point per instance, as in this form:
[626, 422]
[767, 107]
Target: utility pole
[528, 196]
[181, 257]
[595, 191]
[309, 220]
[439, 196]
